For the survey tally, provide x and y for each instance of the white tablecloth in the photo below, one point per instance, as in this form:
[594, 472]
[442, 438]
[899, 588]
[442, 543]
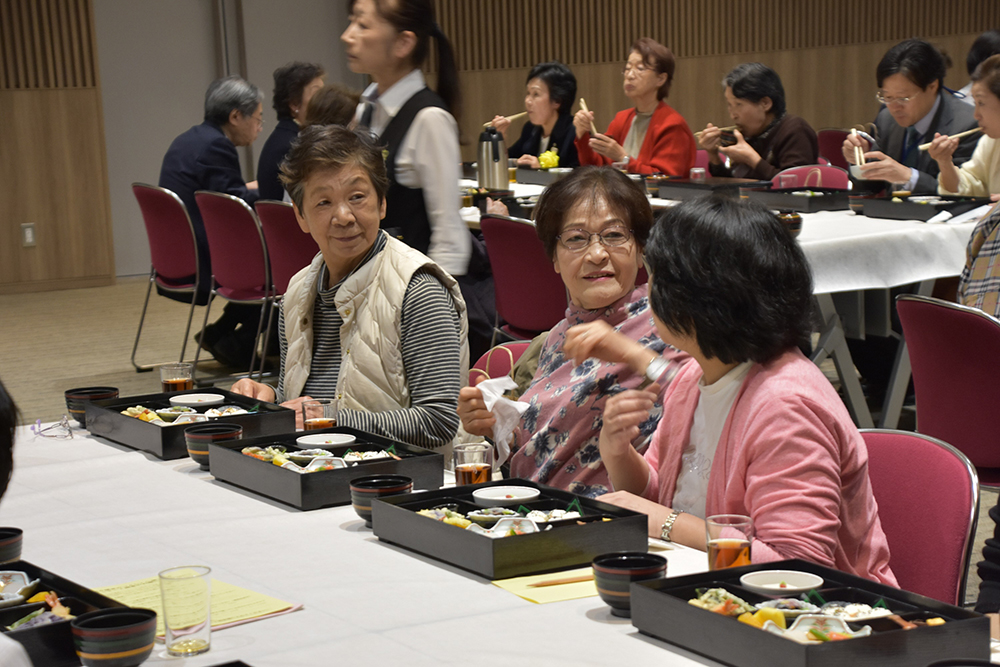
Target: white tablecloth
[100, 514]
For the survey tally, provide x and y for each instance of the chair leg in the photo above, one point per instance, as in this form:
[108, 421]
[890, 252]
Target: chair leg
[204, 323]
[267, 337]
[142, 318]
[256, 341]
[187, 330]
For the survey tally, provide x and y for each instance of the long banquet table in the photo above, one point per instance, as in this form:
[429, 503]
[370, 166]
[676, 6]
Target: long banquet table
[101, 514]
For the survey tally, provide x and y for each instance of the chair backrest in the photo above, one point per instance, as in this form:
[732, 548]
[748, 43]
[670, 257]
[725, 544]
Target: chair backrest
[830, 146]
[928, 498]
[498, 361]
[235, 239]
[701, 158]
[813, 175]
[529, 293]
[289, 249]
[953, 354]
[172, 246]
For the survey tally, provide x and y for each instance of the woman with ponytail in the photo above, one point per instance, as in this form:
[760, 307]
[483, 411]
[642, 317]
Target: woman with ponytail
[389, 40]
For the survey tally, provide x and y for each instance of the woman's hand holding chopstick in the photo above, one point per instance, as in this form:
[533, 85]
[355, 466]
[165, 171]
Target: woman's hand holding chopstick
[941, 149]
[501, 123]
[583, 121]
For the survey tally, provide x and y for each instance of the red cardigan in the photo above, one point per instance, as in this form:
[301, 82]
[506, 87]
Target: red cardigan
[668, 148]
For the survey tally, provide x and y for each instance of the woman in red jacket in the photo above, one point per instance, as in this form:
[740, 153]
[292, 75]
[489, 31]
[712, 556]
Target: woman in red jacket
[650, 137]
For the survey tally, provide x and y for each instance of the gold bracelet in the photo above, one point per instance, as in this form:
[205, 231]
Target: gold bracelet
[668, 525]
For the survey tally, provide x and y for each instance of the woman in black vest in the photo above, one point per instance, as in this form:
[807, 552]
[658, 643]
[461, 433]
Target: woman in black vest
[389, 40]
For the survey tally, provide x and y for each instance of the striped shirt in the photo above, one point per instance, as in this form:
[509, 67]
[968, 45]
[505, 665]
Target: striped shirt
[431, 351]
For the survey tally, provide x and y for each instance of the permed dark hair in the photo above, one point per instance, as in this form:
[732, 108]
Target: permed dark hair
[988, 74]
[560, 81]
[917, 60]
[729, 273]
[660, 58]
[623, 197]
[754, 82]
[986, 45]
[332, 105]
[289, 82]
[331, 147]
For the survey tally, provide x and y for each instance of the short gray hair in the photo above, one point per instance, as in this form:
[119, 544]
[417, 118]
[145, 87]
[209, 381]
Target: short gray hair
[230, 93]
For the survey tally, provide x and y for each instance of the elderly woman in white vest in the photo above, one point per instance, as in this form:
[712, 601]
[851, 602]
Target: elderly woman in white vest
[370, 321]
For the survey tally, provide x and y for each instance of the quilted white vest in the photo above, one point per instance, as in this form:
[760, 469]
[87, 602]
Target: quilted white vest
[370, 301]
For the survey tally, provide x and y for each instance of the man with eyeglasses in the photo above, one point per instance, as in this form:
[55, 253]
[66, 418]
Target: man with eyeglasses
[205, 158]
[917, 108]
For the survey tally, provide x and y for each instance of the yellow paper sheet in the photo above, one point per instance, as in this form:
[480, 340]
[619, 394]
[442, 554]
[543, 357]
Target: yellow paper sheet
[519, 586]
[231, 605]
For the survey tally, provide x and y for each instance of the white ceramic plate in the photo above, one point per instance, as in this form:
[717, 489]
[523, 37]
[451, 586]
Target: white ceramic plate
[201, 400]
[785, 583]
[494, 496]
[316, 439]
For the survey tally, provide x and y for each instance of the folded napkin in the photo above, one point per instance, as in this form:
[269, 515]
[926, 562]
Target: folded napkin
[505, 411]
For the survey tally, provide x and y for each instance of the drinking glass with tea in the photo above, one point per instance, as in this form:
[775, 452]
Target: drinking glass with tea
[319, 413]
[177, 377]
[727, 540]
[473, 464]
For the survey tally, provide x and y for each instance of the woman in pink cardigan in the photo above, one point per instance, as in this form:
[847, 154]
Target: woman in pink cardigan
[750, 425]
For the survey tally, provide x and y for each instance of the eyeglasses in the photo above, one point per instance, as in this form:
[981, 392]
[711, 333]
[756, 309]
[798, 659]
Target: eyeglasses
[637, 70]
[61, 430]
[578, 239]
[259, 119]
[891, 100]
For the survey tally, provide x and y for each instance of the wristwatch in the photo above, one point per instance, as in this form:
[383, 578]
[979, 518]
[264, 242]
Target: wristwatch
[668, 525]
[655, 368]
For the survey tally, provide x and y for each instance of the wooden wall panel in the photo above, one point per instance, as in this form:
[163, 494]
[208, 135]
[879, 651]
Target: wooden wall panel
[53, 170]
[825, 54]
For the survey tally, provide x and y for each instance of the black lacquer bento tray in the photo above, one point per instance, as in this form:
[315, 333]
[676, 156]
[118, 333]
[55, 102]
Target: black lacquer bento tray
[51, 645]
[660, 608]
[823, 199]
[685, 188]
[911, 210]
[569, 543]
[104, 418]
[324, 488]
[539, 176]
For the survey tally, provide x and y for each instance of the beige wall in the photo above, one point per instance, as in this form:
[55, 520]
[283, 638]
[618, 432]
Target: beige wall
[156, 61]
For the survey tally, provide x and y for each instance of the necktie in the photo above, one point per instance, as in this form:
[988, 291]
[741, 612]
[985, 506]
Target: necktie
[910, 152]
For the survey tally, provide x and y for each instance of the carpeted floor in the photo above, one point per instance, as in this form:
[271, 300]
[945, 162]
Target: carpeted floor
[54, 341]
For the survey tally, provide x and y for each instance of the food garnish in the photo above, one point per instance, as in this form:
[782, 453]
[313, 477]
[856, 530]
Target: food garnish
[447, 516]
[42, 616]
[721, 601]
[937, 620]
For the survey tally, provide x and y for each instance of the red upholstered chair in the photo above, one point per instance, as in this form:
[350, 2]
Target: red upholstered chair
[830, 146]
[240, 266]
[815, 175]
[530, 295]
[289, 249]
[701, 159]
[928, 498]
[173, 252]
[499, 361]
[953, 351]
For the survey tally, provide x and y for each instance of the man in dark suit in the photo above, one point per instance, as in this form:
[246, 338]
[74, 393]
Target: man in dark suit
[205, 158]
[917, 108]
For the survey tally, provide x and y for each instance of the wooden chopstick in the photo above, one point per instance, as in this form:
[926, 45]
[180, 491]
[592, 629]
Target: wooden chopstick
[510, 118]
[565, 580]
[859, 155]
[583, 105]
[924, 147]
[724, 129]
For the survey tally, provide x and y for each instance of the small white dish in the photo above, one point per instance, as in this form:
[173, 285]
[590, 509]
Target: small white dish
[226, 411]
[857, 173]
[506, 527]
[170, 414]
[780, 582]
[191, 418]
[799, 630]
[15, 588]
[315, 439]
[502, 496]
[202, 400]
